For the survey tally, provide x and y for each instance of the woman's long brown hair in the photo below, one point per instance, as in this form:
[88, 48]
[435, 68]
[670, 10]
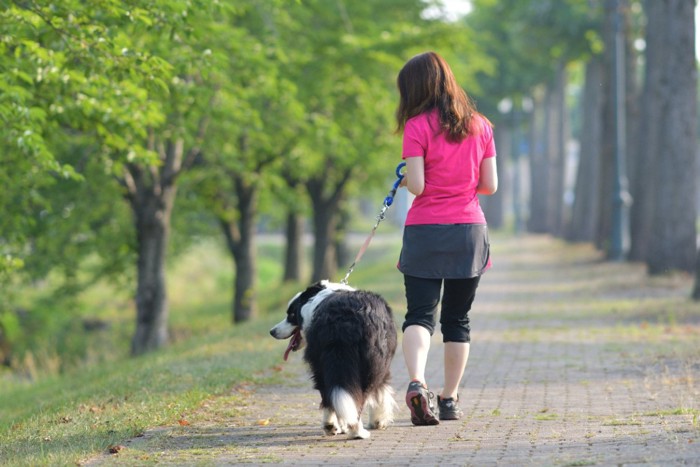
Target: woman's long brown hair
[426, 82]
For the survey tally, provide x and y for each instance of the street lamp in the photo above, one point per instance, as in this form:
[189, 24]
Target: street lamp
[619, 242]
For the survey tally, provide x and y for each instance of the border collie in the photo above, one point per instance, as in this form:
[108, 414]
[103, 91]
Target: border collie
[350, 340]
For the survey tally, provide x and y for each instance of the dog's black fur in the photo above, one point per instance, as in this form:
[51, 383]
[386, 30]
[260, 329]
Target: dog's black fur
[350, 339]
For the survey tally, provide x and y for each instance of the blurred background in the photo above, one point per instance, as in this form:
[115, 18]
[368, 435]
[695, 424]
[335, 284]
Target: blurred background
[168, 165]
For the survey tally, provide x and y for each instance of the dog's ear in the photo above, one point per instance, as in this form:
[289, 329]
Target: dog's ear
[294, 312]
[301, 299]
[310, 292]
[316, 287]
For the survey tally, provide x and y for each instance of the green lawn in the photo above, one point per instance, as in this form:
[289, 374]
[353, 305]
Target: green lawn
[58, 418]
[563, 291]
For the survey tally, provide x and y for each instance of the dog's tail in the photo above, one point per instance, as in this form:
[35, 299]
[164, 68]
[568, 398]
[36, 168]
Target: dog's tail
[344, 405]
[347, 409]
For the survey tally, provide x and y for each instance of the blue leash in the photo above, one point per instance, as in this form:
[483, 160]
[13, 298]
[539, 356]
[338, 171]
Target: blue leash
[388, 201]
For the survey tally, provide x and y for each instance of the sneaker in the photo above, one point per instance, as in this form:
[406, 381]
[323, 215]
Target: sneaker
[420, 401]
[449, 408]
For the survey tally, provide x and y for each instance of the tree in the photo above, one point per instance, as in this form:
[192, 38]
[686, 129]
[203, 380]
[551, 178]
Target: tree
[556, 125]
[256, 124]
[643, 181]
[696, 287]
[585, 210]
[76, 78]
[55, 60]
[179, 33]
[345, 79]
[533, 42]
[673, 239]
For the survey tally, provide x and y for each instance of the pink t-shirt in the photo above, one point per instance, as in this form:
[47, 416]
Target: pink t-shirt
[451, 171]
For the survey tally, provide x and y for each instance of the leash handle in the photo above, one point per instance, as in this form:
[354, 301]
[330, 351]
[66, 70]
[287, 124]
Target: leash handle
[389, 200]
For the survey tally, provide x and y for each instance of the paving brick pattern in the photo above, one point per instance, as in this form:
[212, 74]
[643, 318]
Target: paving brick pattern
[538, 391]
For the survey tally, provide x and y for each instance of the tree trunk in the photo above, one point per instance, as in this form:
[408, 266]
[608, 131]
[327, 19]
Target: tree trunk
[325, 262]
[240, 238]
[643, 183]
[607, 150]
[152, 216]
[293, 247]
[633, 106]
[696, 288]
[556, 150]
[673, 241]
[151, 194]
[583, 225]
[539, 169]
[340, 239]
[325, 199]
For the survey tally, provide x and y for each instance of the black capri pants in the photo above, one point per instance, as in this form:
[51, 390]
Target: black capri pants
[423, 296]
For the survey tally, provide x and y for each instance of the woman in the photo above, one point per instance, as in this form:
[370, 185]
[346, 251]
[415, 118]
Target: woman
[450, 158]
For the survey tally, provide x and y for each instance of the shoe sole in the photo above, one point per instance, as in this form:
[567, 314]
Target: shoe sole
[450, 417]
[420, 410]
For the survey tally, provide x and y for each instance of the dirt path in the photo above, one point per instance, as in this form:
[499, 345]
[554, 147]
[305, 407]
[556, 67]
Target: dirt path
[574, 362]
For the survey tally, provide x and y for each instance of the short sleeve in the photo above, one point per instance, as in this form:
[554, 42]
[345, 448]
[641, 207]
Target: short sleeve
[414, 143]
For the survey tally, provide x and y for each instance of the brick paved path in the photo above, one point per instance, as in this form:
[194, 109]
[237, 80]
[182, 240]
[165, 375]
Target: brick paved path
[551, 380]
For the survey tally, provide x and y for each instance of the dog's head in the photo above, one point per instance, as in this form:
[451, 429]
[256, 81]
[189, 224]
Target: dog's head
[300, 311]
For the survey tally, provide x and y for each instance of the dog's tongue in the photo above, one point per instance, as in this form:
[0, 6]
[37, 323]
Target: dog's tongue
[293, 343]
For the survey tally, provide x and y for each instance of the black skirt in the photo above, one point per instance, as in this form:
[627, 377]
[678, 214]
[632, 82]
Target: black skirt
[445, 251]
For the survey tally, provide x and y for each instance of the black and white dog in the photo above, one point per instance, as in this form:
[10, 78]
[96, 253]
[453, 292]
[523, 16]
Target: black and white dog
[350, 340]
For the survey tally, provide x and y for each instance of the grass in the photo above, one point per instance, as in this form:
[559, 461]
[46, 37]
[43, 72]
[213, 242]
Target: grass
[66, 417]
[58, 418]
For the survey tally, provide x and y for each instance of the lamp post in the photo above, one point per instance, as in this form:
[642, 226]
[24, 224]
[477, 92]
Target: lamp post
[619, 242]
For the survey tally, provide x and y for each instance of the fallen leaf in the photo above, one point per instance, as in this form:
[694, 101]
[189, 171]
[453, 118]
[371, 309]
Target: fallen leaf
[264, 422]
[183, 422]
[116, 448]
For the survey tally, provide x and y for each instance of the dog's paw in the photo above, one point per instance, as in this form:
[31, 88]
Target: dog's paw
[357, 432]
[332, 429]
[379, 424]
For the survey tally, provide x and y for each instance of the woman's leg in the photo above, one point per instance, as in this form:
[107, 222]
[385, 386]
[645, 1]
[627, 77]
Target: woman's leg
[456, 356]
[422, 299]
[416, 344]
[456, 303]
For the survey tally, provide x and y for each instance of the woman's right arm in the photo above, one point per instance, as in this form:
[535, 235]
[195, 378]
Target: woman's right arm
[488, 177]
[415, 175]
